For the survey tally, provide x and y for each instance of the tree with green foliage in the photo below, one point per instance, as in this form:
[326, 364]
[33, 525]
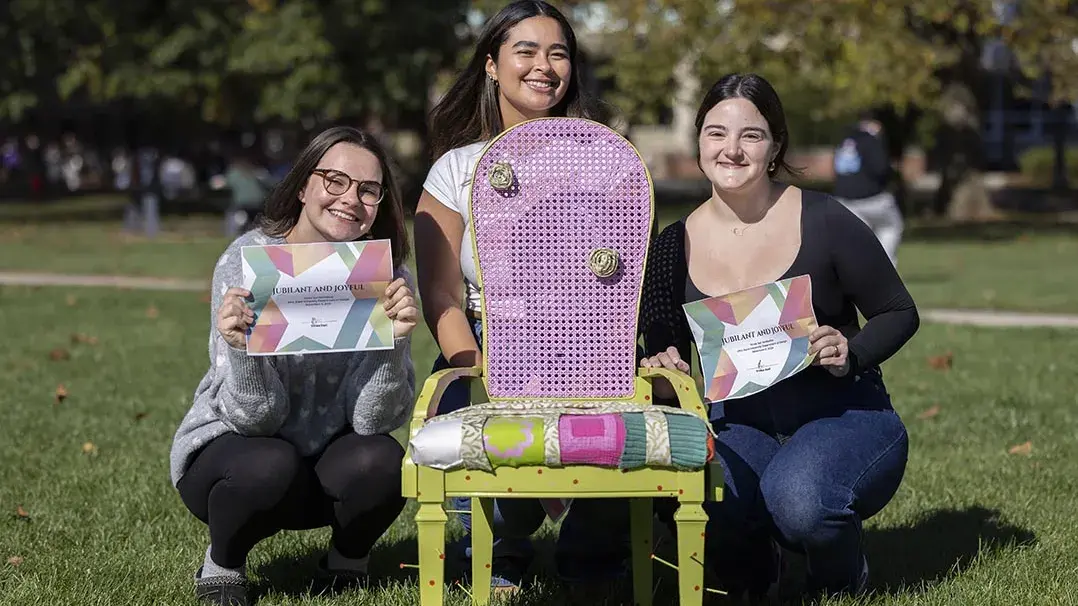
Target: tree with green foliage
[232, 63]
[918, 58]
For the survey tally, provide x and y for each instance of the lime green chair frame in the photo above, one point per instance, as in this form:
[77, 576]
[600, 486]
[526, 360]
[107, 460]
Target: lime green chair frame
[431, 487]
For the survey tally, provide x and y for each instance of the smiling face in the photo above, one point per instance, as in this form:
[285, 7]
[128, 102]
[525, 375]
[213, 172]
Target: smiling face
[532, 69]
[337, 213]
[736, 146]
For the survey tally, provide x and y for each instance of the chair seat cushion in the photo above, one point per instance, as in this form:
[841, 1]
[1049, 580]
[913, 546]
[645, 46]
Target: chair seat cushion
[617, 434]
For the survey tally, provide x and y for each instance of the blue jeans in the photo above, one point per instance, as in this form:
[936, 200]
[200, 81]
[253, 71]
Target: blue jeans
[593, 542]
[805, 475]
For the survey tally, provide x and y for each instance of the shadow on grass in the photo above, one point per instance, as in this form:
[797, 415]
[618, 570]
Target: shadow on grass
[296, 575]
[937, 546]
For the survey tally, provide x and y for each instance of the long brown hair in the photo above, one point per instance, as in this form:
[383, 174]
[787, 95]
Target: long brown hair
[283, 206]
[469, 111]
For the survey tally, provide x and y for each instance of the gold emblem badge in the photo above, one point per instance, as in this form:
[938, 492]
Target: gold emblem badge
[603, 262]
[501, 176]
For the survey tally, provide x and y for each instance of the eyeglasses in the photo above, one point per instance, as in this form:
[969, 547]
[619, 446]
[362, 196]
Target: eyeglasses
[338, 183]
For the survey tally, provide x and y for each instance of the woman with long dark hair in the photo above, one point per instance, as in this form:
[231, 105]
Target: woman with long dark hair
[526, 65]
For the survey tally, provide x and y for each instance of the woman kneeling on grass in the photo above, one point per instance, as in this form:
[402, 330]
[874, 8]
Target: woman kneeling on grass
[813, 456]
[299, 442]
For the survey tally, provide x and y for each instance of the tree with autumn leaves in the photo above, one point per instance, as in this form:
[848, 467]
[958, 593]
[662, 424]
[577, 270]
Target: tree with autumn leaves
[921, 59]
[286, 60]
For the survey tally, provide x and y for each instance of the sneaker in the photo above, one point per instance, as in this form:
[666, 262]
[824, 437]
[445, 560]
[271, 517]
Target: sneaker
[341, 580]
[512, 557]
[221, 591]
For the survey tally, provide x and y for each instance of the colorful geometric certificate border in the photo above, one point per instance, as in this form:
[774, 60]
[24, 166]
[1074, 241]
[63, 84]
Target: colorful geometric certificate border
[366, 326]
[711, 318]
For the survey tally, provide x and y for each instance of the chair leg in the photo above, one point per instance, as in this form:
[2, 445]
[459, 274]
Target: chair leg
[482, 548]
[641, 516]
[431, 521]
[691, 521]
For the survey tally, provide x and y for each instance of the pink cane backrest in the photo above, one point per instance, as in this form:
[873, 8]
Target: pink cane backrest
[559, 317]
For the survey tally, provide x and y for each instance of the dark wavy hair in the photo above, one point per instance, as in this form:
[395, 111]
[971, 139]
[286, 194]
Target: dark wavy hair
[283, 206]
[760, 93]
[469, 111]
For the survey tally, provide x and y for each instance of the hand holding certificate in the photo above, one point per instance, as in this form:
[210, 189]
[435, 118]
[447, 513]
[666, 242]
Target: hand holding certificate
[751, 339]
[319, 298]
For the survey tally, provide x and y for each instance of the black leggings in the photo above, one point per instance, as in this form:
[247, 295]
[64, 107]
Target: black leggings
[248, 488]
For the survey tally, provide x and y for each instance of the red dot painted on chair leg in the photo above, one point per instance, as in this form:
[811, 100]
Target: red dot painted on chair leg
[576, 481]
[488, 566]
[539, 471]
[441, 556]
[681, 491]
[509, 489]
[697, 588]
[659, 487]
[432, 583]
[466, 478]
[647, 397]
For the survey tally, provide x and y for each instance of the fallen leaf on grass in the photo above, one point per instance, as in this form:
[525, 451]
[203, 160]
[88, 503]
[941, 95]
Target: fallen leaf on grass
[21, 513]
[80, 338]
[72, 300]
[89, 448]
[929, 413]
[943, 362]
[59, 354]
[151, 312]
[61, 393]
[14, 560]
[1022, 449]
[141, 415]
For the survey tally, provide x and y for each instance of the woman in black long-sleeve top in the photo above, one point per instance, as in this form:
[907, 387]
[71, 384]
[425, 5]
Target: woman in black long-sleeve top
[811, 457]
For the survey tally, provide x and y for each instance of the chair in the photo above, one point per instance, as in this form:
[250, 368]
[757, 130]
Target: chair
[562, 210]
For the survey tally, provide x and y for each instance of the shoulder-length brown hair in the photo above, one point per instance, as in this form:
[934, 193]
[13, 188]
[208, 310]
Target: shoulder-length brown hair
[469, 110]
[283, 206]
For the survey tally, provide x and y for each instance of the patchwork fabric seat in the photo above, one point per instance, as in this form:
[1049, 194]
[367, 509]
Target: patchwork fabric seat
[561, 214]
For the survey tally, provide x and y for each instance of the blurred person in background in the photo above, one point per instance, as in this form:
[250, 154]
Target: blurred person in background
[862, 175]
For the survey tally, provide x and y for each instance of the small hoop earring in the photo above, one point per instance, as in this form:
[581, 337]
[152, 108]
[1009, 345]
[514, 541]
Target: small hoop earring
[771, 168]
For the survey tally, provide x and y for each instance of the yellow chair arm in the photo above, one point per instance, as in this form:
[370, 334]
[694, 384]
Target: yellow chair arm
[684, 387]
[433, 388]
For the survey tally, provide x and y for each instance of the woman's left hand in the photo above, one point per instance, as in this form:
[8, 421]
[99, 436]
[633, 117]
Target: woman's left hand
[831, 349]
[400, 307]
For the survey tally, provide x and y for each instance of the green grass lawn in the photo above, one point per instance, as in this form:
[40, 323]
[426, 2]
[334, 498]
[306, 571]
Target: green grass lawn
[972, 524]
[1007, 267]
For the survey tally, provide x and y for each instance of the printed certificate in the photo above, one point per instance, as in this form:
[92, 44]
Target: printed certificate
[318, 298]
[751, 339]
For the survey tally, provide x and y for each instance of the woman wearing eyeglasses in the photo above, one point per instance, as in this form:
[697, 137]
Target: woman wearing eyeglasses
[298, 442]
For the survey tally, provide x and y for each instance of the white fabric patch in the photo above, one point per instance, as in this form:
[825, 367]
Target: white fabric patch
[437, 445]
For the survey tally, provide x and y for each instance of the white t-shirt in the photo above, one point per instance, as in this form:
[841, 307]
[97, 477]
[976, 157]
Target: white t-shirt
[449, 181]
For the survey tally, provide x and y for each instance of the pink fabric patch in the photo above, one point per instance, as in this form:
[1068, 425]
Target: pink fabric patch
[591, 439]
